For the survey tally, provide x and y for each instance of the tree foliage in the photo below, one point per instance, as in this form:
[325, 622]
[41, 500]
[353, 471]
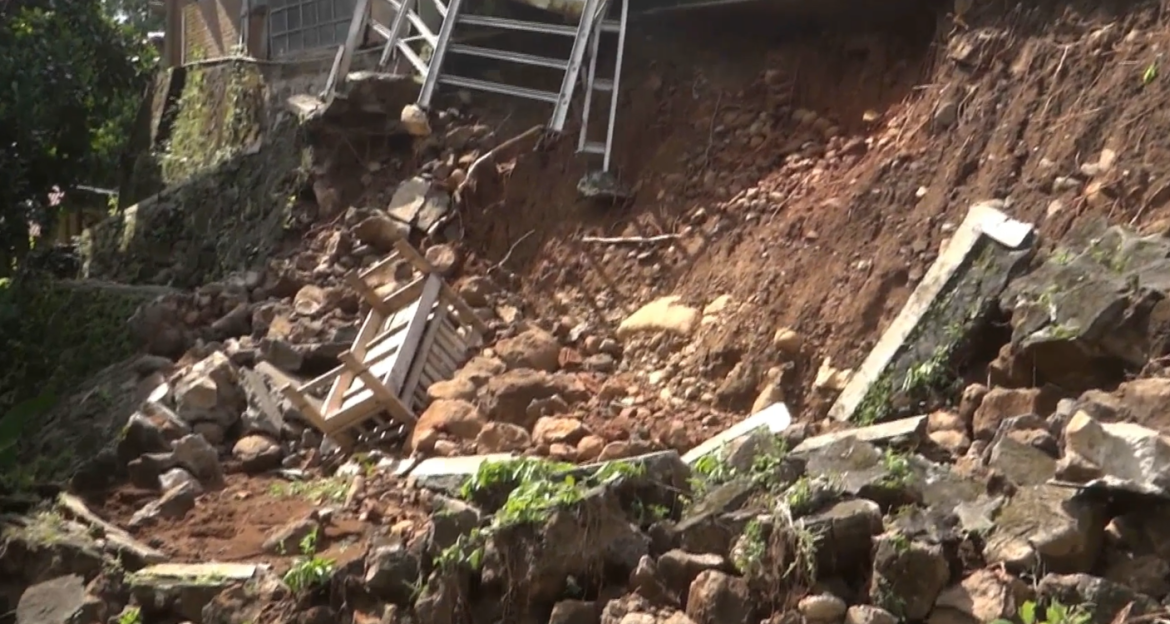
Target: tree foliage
[73, 77]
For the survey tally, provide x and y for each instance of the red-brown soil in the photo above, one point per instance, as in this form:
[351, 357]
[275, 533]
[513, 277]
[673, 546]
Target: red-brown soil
[231, 524]
[933, 114]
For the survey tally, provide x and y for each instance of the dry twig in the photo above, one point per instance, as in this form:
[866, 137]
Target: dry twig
[500, 265]
[629, 240]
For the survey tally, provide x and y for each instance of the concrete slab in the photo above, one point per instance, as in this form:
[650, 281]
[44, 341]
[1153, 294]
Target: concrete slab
[912, 427]
[775, 417]
[197, 573]
[981, 219]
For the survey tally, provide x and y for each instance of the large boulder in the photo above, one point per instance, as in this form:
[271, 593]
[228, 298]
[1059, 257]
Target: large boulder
[1090, 306]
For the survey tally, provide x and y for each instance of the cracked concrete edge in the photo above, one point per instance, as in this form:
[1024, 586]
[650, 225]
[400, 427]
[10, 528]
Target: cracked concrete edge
[983, 219]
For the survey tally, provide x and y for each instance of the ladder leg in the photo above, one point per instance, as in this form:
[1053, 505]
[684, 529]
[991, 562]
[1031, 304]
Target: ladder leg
[617, 79]
[396, 29]
[431, 80]
[594, 40]
[569, 83]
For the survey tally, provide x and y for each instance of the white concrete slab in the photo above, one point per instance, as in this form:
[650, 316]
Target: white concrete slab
[775, 417]
[199, 571]
[902, 428]
[456, 466]
[981, 219]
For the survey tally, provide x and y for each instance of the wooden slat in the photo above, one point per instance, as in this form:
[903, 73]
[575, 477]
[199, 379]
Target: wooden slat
[414, 333]
[320, 381]
[464, 311]
[383, 394]
[367, 293]
[424, 351]
[345, 379]
[379, 265]
[305, 406]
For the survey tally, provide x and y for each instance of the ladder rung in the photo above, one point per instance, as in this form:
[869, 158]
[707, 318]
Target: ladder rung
[528, 26]
[422, 29]
[512, 24]
[602, 84]
[382, 31]
[419, 65]
[593, 147]
[495, 87]
[505, 55]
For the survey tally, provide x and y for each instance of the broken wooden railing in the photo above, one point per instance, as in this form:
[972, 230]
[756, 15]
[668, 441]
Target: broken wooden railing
[413, 336]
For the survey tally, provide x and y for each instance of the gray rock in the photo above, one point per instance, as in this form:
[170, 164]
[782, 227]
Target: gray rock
[678, 568]
[406, 203]
[287, 538]
[712, 524]
[1144, 573]
[908, 576]
[1125, 452]
[172, 505]
[847, 529]
[1022, 464]
[1047, 525]
[139, 436]
[536, 562]
[718, 598]
[451, 519]
[62, 600]
[822, 608]
[984, 596]
[263, 414]
[1106, 598]
[868, 614]
[200, 458]
[863, 470]
[210, 391]
[258, 453]
[392, 573]
[1090, 300]
[575, 612]
[175, 477]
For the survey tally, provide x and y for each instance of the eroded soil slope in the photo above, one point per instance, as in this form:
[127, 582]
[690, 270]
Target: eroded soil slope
[812, 172]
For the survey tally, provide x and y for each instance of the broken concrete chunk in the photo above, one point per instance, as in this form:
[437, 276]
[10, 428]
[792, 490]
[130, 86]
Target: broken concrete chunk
[184, 588]
[905, 430]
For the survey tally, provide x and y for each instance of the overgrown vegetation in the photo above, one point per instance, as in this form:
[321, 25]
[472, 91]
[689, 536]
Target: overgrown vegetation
[1054, 613]
[714, 469]
[323, 490]
[309, 571]
[524, 491]
[221, 112]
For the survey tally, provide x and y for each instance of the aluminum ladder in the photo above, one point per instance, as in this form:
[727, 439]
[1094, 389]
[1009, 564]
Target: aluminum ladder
[585, 42]
[610, 85]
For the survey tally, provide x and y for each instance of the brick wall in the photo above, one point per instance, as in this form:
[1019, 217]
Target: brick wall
[210, 28]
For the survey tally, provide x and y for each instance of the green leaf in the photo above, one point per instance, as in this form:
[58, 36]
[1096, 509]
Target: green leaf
[1028, 612]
